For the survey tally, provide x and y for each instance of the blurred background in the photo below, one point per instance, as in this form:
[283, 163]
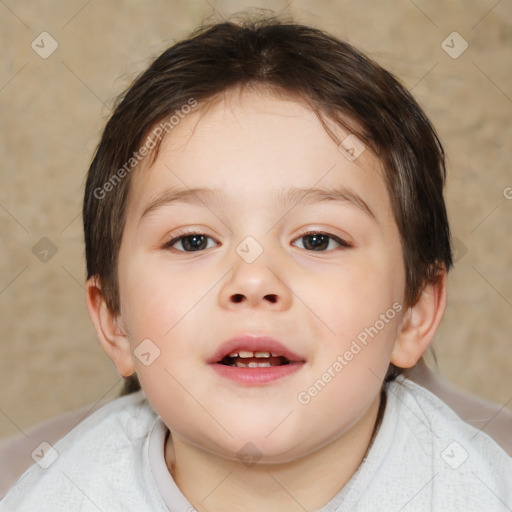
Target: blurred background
[64, 62]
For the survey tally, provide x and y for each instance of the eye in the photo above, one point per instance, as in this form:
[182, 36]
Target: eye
[190, 242]
[195, 241]
[318, 241]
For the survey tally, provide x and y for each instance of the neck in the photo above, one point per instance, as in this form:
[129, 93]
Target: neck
[214, 484]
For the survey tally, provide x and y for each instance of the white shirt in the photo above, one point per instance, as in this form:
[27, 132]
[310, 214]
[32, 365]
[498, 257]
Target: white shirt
[423, 458]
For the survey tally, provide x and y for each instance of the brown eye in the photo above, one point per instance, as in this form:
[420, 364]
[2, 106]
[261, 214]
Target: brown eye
[319, 241]
[190, 242]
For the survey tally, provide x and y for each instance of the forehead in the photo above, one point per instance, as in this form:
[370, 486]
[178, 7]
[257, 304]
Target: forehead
[255, 146]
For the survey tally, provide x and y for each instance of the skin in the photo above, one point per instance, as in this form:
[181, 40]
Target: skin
[252, 145]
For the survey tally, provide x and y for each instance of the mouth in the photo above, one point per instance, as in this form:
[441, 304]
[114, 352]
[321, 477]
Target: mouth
[249, 359]
[254, 360]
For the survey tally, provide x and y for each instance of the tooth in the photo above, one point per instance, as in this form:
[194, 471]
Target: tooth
[275, 354]
[233, 354]
[258, 365]
[245, 353]
[261, 354]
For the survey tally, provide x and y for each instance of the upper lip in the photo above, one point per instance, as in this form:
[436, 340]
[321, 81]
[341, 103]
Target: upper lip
[253, 343]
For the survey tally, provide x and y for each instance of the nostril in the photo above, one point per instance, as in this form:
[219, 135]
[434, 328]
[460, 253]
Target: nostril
[238, 297]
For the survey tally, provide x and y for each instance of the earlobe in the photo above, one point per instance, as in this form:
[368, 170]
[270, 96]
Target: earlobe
[113, 339]
[419, 324]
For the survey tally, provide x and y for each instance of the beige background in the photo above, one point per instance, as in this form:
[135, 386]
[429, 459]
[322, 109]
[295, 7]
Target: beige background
[53, 111]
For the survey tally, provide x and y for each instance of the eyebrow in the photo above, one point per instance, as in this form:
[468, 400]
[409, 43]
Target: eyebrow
[290, 197]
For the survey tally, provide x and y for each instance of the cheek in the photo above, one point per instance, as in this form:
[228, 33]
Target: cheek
[155, 299]
[358, 317]
[166, 309]
[355, 294]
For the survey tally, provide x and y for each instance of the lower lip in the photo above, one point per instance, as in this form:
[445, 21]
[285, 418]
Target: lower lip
[256, 376]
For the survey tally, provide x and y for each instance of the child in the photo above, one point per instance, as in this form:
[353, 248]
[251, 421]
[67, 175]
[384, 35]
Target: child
[267, 247]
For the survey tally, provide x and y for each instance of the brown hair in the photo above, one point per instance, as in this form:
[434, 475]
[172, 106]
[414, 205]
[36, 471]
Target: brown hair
[332, 77]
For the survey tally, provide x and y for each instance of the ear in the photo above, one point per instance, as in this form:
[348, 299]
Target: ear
[112, 338]
[420, 323]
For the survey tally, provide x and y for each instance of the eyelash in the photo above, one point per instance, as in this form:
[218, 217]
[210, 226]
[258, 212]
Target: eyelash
[180, 236]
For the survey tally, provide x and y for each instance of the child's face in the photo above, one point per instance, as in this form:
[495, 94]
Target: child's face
[254, 149]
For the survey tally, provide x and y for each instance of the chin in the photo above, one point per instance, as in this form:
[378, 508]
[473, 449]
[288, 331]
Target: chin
[252, 453]
[251, 449]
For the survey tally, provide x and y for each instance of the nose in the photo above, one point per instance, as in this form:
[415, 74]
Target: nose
[256, 285]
